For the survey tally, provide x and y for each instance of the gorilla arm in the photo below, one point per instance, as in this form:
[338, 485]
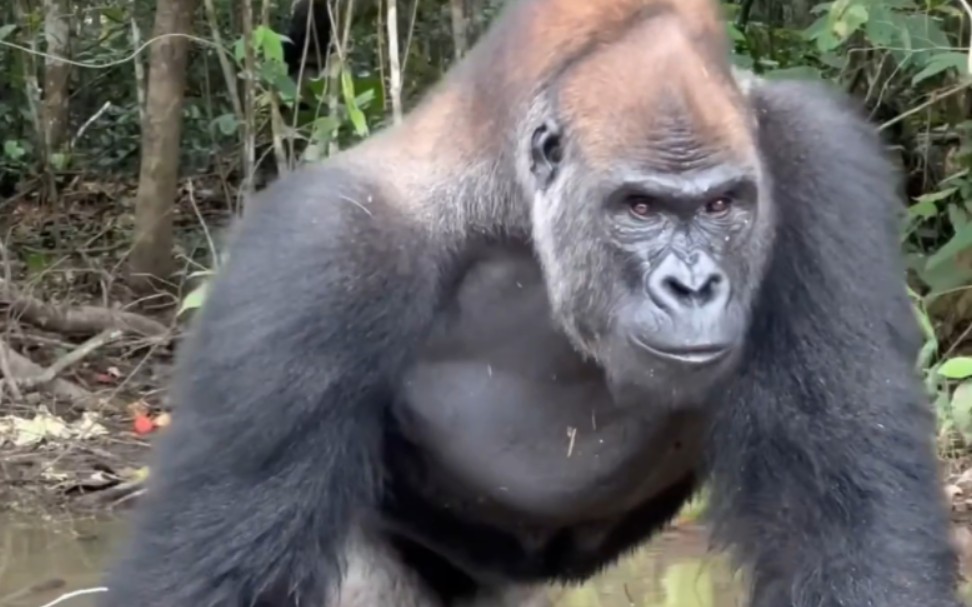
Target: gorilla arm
[824, 468]
[275, 446]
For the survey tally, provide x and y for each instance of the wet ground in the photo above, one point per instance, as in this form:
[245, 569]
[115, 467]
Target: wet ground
[42, 560]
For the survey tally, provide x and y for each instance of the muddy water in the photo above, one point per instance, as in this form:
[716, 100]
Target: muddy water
[42, 560]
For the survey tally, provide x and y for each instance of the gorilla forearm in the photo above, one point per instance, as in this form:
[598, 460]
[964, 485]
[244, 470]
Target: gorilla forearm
[279, 404]
[828, 410]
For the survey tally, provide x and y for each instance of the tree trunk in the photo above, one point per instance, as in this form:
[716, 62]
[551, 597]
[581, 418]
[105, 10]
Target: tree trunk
[57, 34]
[161, 137]
[394, 64]
[460, 38]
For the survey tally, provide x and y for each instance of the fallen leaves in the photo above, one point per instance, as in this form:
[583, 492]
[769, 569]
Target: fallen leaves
[958, 490]
[45, 426]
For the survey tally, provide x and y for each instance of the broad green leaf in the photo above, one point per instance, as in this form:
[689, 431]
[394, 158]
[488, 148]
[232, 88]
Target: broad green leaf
[959, 367]
[960, 242]
[940, 63]
[270, 43]
[6, 30]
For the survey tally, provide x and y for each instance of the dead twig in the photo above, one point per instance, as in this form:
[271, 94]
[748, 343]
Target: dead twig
[22, 367]
[76, 593]
[80, 319]
[8, 375]
[73, 357]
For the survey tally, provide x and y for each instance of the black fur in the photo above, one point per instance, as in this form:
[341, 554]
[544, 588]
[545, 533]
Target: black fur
[314, 34]
[275, 447]
[292, 431]
[824, 473]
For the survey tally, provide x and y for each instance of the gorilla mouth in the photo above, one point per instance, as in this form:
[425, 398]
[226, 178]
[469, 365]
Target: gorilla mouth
[693, 354]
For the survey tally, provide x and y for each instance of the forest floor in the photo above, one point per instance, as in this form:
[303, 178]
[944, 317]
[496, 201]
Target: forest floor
[84, 358]
[90, 360]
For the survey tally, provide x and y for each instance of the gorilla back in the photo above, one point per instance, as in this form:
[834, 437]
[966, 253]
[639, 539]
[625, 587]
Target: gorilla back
[502, 343]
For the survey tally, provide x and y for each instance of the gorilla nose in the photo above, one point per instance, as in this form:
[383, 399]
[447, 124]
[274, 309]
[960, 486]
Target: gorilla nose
[677, 285]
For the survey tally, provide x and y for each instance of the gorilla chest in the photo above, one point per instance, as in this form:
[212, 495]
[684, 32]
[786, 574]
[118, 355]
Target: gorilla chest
[509, 420]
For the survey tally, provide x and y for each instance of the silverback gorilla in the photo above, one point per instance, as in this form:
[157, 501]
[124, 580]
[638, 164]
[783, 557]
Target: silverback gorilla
[502, 343]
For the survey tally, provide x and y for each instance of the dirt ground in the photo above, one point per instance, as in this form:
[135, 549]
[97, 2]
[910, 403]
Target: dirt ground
[84, 356]
[59, 453]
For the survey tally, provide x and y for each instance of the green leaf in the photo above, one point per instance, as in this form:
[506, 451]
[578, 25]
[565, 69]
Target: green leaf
[961, 407]
[959, 367]
[960, 242]
[925, 205]
[269, 42]
[6, 30]
[879, 29]
[194, 299]
[226, 123]
[286, 87]
[13, 150]
[59, 160]
[938, 196]
[734, 32]
[940, 63]
[354, 112]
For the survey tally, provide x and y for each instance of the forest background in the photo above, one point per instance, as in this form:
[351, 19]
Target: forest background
[130, 130]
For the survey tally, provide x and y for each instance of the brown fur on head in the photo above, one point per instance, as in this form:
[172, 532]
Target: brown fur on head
[656, 85]
[531, 45]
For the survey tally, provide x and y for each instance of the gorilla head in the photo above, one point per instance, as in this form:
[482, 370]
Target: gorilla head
[653, 237]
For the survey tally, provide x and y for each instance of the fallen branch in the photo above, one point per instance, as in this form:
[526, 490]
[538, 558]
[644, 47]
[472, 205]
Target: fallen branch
[73, 357]
[22, 367]
[81, 319]
[115, 495]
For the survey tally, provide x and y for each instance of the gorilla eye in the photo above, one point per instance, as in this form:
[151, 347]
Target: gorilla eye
[546, 143]
[552, 149]
[719, 206]
[546, 152]
[640, 207]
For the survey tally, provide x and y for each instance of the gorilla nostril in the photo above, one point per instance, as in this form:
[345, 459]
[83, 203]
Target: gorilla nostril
[689, 292]
[677, 287]
[675, 284]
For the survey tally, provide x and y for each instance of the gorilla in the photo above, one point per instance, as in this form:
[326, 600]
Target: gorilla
[501, 344]
[309, 33]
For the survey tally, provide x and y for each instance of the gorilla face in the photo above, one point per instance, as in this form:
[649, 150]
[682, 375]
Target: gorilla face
[653, 236]
[652, 273]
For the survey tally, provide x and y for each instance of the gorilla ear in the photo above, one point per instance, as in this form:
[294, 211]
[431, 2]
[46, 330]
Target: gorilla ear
[546, 153]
